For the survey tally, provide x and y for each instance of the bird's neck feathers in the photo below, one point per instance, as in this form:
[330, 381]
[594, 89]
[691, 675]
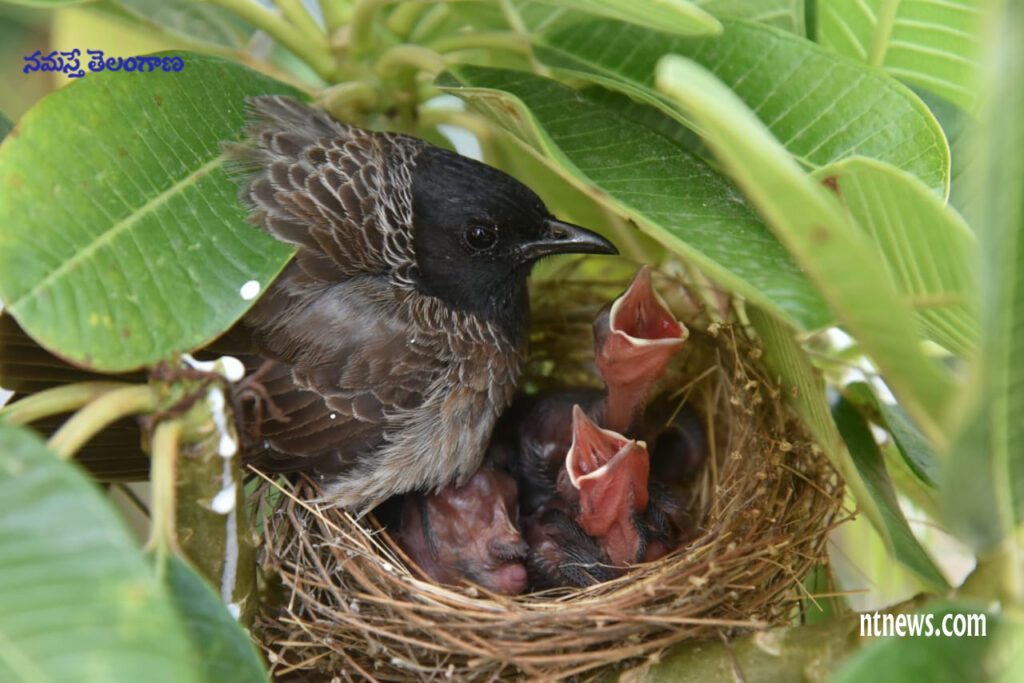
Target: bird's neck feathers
[503, 304]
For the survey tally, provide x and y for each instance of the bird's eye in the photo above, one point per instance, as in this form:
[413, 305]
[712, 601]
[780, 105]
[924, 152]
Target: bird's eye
[481, 238]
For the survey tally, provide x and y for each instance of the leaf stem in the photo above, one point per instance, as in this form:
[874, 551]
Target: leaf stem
[295, 12]
[361, 28]
[57, 401]
[312, 51]
[404, 18]
[485, 40]
[410, 58]
[163, 467]
[94, 417]
[336, 13]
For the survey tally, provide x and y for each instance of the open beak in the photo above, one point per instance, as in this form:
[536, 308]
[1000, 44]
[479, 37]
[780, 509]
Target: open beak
[611, 473]
[639, 336]
[565, 238]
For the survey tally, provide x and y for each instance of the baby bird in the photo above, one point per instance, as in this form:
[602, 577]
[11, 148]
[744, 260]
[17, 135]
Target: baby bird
[610, 475]
[634, 340]
[394, 339]
[467, 533]
[678, 456]
[593, 530]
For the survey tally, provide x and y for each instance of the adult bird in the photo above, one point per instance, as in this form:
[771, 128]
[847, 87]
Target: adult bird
[394, 339]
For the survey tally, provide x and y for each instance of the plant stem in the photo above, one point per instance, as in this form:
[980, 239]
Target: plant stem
[361, 28]
[314, 52]
[57, 401]
[296, 13]
[163, 466]
[484, 40]
[94, 417]
[336, 13]
[354, 95]
[410, 58]
[405, 17]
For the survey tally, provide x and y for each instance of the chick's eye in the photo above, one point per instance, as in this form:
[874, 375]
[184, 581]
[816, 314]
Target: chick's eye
[480, 237]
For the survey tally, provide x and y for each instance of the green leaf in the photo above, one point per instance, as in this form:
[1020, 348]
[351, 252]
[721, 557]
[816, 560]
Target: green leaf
[913, 447]
[199, 21]
[837, 257]
[822, 107]
[804, 389]
[80, 603]
[984, 483]
[868, 460]
[677, 16]
[5, 126]
[44, 3]
[928, 248]
[957, 125]
[669, 193]
[138, 250]
[785, 654]
[932, 656]
[785, 14]
[930, 43]
[226, 652]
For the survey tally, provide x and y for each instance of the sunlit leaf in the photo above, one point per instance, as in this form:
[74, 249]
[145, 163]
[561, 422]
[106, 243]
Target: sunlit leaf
[928, 249]
[784, 14]
[931, 43]
[80, 603]
[984, 483]
[839, 259]
[634, 171]
[821, 107]
[676, 16]
[140, 248]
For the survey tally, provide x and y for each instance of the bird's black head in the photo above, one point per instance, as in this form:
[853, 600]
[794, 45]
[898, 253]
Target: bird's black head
[478, 232]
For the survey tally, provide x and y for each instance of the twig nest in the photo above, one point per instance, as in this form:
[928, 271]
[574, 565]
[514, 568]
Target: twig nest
[344, 602]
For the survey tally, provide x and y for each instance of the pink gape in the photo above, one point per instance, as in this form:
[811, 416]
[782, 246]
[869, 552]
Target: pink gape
[610, 472]
[634, 340]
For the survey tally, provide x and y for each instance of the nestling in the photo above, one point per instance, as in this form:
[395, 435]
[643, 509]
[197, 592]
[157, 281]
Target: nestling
[468, 533]
[394, 339]
[635, 337]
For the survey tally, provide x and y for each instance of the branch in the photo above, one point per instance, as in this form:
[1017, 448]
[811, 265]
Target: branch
[56, 401]
[94, 417]
[311, 49]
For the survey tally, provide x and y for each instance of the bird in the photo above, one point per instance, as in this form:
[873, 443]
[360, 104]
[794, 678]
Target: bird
[467, 533]
[678, 456]
[609, 474]
[635, 337]
[395, 337]
[560, 552]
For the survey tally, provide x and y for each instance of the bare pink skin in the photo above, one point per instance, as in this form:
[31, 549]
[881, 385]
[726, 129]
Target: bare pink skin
[468, 533]
[634, 340]
[610, 473]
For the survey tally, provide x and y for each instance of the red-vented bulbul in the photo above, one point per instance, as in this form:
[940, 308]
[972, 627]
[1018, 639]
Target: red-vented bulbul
[394, 339]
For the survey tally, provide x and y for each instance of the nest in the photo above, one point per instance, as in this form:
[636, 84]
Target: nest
[345, 602]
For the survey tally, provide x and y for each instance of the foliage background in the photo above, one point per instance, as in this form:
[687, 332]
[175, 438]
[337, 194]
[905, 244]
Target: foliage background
[852, 170]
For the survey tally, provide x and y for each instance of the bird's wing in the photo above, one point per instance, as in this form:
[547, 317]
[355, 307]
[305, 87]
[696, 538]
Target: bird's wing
[333, 406]
[334, 191]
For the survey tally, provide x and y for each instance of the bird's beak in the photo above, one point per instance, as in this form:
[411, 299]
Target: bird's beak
[643, 336]
[565, 238]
